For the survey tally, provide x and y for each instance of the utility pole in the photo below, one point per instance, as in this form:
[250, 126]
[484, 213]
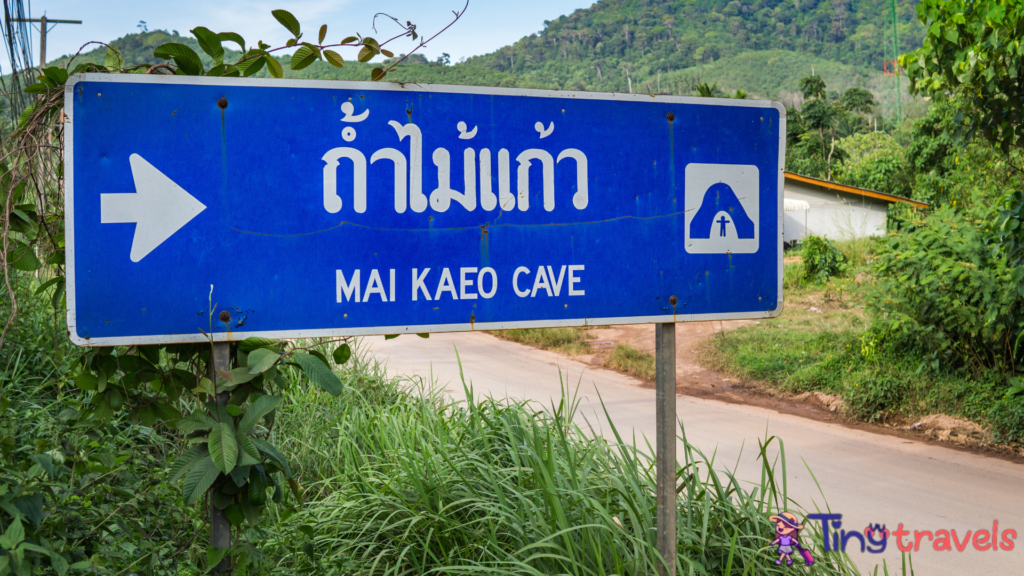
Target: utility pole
[43, 23]
[896, 62]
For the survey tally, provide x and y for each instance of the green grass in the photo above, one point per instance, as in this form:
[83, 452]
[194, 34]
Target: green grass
[627, 359]
[399, 480]
[837, 353]
[571, 341]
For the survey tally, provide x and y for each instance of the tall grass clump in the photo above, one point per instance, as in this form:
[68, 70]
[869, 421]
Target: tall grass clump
[569, 340]
[399, 480]
[631, 361]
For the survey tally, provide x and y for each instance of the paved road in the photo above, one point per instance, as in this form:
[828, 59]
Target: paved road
[869, 478]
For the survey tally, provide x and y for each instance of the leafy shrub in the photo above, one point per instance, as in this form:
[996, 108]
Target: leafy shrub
[821, 259]
[874, 161]
[78, 499]
[874, 397]
[948, 286]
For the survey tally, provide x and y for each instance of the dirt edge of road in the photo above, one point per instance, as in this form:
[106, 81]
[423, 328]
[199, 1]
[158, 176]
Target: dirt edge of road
[692, 379]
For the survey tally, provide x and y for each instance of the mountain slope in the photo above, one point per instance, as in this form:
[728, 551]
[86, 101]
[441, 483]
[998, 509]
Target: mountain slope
[616, 43]
[666, 46]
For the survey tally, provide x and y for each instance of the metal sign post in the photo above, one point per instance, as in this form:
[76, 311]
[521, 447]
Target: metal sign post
[322, 208]
[220, 526]
[665, 383]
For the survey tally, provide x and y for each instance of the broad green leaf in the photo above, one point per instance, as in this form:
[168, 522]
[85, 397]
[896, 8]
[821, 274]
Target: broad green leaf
[233, 410]
[199, 480]
[252, 65]
[248, 455]
[323, 34]
[342, 354]
[205, 387]
[423, 334]
[27, 114]
[258, 482]
[167, 413]
[320, 356]
[269, 451]
[101, 380]
[194, 422]
[391, 336]
[304, 56]
[288, 21]
[334, 58]
[47, 284]
[86, 381]
[185, 462]
[254, 343]
[387, 53]
[228, 380]
[58, 295]
[319, 373]
[57, 74]
[239, 476]
[186, 58]
[151, 353]
[31, 506]
[147, 415]
[274, 67]
[252, 513]
[214, 556]
[23, 258]
[249, 447]
[15, 532]
[349, 40]
[114, 60]
[234, 514]
[224, 447]
[232, 37]
[59, 563]
[37, 88]
[210, 43]
[366, 54]
[224, 71]
[257, 410]
[261, 360]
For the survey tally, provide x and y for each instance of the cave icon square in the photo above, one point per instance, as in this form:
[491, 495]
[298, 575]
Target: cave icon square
[722, 209]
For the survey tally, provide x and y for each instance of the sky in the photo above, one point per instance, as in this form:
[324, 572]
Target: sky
[486, 25]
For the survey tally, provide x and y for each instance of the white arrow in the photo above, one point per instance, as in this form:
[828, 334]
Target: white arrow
[159, 208]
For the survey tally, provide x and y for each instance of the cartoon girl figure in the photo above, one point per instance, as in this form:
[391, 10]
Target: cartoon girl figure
[787, 531]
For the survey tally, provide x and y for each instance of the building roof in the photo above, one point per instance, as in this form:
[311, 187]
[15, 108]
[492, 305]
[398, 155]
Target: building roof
[854, 190]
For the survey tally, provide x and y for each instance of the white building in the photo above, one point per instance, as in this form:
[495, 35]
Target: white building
[834, 211]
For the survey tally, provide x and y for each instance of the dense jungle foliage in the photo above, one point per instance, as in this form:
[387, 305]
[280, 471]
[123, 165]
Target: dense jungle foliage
[660, 46]
[610, 40]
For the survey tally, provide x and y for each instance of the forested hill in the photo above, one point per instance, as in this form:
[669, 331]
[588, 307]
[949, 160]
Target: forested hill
[642, 38]
[762, 47]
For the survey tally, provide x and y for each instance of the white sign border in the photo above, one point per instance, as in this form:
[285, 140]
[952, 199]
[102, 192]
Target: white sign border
[231, 336]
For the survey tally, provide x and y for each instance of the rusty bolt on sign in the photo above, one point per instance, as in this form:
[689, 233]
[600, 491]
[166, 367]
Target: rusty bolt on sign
[222, 103]
[225, 316]
[671, 300]
[670, 117]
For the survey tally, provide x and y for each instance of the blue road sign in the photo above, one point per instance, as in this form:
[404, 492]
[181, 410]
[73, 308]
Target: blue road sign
[340, 208]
